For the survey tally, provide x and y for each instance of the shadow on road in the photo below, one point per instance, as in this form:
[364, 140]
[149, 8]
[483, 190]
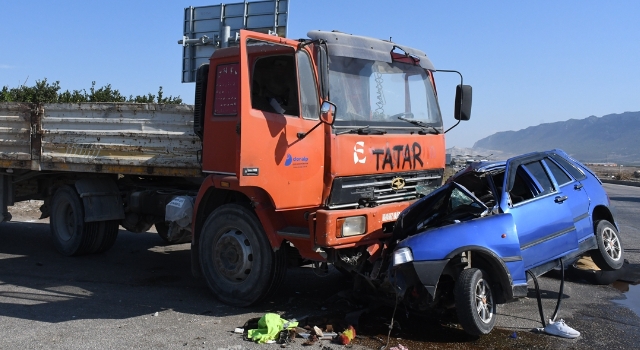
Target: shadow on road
[138, 276]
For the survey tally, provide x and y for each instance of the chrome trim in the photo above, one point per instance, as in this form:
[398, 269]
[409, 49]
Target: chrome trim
[583, 216]
[507, 259]
[382, 183]
[547, 238]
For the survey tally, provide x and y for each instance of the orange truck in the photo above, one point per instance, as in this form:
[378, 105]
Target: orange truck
[295, 151]
[311, 148]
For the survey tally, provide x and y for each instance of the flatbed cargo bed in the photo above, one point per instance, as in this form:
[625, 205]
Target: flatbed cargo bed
[114, 138]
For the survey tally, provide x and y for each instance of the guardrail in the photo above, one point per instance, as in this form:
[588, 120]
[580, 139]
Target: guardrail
[621, 182]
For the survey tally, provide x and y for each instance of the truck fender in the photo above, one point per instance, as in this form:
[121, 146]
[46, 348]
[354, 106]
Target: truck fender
[101, 198]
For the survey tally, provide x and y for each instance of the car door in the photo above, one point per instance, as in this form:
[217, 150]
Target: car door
[279, 102]
[578, 197]
[543, 220]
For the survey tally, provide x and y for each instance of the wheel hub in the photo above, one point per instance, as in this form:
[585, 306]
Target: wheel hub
[484, 302]
[233, 256]
[611, 243]
[66, 224]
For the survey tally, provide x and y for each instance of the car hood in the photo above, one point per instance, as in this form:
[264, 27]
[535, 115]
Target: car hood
[448, 204]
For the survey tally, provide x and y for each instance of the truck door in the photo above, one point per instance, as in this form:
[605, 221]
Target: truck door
[542, 218]
[279, 101]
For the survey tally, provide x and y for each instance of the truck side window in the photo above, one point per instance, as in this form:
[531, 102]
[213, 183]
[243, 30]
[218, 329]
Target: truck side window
[308, 92]
[274, 87]
[225, 100]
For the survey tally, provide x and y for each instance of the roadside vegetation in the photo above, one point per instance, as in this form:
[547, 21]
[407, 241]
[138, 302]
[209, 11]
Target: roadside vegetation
[45, 92]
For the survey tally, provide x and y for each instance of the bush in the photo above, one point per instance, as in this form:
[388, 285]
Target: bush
[44, 92]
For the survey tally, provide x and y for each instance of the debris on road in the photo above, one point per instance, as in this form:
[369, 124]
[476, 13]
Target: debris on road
[269, 327]
[347, 336]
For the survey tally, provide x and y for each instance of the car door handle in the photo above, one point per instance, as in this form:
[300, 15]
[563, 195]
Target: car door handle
[577, 187]
[561, 199]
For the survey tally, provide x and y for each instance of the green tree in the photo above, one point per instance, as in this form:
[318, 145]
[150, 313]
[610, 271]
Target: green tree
[44, 92]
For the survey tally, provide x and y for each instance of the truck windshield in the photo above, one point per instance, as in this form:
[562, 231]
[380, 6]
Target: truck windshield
[375, 94]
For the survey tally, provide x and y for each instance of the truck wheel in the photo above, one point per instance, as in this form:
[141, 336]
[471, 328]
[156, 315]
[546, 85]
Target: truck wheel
[71, 235]
[609, 255]
[236, 257]
[474, 302]
[163, 231]
[108, 231]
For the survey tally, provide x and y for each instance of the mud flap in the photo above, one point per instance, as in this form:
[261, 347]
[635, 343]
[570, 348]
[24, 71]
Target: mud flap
[6, 197]
[101, 198]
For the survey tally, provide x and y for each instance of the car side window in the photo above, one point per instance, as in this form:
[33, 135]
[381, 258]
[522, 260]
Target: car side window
[521, 190]
[561, 177]
[544, 183]
[570, 168]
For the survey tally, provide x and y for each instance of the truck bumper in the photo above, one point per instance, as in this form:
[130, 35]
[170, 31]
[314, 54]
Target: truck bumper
[379, 224]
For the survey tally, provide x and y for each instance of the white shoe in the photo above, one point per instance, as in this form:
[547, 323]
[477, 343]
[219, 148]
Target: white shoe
[561, 329]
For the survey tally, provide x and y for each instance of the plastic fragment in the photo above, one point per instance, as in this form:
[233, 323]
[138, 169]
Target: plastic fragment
[399, 347]
[347, 336]
[328, 335]
[238, 330]
[513, 335]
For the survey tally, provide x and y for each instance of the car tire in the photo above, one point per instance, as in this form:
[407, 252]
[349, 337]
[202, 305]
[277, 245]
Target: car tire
[71, 235]
[609, 256]
[237, 261]
[475, 304]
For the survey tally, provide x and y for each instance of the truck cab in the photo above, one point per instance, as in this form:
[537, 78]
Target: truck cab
[311, 148]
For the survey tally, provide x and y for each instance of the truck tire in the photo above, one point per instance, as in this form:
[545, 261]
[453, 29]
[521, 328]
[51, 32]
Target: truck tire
[237, 261]
[71, 235]
[475, 306]
[163, 231]
[609, 255]
[108, 231]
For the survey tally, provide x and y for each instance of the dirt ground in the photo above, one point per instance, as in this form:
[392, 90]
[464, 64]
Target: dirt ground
[28, 211]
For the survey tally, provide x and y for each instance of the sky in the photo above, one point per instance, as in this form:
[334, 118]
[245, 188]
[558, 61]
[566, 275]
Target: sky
[529, 62]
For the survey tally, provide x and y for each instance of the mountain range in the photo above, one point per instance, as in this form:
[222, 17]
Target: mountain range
[610, 138]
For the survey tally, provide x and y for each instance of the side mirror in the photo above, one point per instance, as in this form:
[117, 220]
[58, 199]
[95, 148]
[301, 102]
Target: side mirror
[328, 112]
[463, 102]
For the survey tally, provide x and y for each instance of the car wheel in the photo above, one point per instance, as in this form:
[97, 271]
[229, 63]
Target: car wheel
[609, 255]
[474, 302]
[237, 261]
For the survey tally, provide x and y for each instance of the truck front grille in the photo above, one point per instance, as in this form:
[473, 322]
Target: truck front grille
[372, 190]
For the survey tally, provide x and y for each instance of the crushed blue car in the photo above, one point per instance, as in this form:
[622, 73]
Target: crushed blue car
[469, 244]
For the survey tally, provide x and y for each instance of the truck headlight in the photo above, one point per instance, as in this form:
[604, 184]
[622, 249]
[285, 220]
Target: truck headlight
[352, 226]
[402, 255]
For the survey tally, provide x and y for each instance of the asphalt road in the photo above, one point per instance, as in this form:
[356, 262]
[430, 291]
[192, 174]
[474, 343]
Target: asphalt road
[111, 300]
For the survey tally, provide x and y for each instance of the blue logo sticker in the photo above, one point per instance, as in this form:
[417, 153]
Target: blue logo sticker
[296, 162]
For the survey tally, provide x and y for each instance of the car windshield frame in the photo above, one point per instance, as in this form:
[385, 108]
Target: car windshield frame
[374, 94]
